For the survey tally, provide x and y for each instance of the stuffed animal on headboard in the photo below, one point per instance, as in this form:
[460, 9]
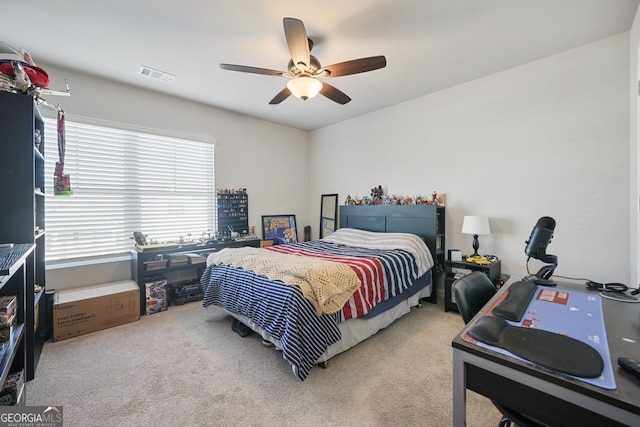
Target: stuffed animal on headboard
[376, 195]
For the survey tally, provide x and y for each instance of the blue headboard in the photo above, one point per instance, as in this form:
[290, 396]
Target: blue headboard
[417, 219]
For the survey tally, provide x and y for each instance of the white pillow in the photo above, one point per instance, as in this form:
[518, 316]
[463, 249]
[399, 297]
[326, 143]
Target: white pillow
[374, 240]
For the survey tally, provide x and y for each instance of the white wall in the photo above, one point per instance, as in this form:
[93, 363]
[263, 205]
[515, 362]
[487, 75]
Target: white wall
[270, 160]
[547, 138]
[634, 142]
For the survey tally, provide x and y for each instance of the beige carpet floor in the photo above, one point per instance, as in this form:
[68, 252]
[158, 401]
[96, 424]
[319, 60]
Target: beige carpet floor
[184, 367]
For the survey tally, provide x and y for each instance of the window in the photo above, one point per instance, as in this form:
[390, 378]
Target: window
[125, 181]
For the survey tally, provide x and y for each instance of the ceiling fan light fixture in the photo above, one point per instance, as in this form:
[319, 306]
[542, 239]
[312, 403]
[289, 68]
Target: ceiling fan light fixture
[304, 87]
[304, 69]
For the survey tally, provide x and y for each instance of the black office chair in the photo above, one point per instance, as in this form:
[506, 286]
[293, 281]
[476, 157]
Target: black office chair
[472, 292]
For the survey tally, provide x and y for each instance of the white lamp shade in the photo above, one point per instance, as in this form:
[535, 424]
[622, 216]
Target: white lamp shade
[476, 225]
[304, 87]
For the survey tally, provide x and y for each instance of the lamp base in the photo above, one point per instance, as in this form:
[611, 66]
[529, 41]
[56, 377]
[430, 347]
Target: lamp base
[476, 245]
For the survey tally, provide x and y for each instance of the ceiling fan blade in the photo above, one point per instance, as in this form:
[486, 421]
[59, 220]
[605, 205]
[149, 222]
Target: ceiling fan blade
[281, 96]
[356, 66]
[297, 40]
[334, 94]
[253, 70]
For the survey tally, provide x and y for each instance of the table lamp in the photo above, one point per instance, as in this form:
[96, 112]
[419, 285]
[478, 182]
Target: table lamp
[475, 225]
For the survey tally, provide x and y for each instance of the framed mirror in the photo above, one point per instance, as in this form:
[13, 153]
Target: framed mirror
[328, 214]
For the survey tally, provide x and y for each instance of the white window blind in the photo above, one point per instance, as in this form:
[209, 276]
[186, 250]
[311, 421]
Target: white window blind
[125, 181]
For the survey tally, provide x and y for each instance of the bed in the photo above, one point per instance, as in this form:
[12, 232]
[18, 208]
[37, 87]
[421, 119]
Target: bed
[328, 295]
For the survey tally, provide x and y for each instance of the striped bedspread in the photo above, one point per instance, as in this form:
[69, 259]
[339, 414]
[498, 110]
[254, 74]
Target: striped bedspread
[384, 273]
[278, 308]
[281, 309]
[328, 285]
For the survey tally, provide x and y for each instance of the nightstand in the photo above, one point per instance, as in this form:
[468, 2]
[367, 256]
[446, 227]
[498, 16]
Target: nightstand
[451, 268]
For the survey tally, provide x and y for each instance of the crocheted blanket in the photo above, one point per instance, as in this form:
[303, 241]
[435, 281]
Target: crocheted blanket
[326, 284]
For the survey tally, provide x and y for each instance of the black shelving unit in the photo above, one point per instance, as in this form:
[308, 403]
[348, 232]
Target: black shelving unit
[233, 211]
[437, 272]
[15, 268]
[23, 209]
[141, 259]
[440, 238]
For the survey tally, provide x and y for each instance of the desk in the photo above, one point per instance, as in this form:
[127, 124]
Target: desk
[549, 397]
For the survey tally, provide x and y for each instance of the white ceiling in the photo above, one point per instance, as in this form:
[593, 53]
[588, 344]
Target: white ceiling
[429, 44]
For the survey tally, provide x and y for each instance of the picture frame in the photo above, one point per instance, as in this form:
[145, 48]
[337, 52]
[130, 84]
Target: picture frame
[327, 226]
[280, 228]
[455, 255]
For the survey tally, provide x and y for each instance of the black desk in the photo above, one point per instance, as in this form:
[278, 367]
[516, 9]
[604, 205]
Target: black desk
[553, 398]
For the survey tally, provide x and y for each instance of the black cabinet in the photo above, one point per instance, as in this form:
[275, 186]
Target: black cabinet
[455, 269]
[233, 212]
[156, 261]
[22, 208]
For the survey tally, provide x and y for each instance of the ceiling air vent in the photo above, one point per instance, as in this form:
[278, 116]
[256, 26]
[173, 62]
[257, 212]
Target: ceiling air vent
[155, 74]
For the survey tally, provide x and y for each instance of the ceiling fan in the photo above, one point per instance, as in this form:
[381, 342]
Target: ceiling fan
[304, 69]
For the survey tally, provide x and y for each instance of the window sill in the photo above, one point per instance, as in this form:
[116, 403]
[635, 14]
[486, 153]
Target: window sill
[55, 265]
